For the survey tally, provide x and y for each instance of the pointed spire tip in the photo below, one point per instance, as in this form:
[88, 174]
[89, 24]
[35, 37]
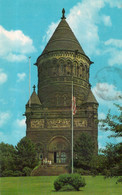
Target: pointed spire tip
[63, 14]
[34, 88]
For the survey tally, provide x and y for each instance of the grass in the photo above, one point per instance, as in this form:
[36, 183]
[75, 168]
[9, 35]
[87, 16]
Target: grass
[43, 185]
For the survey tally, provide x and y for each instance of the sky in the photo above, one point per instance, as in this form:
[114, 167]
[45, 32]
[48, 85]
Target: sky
[25, 28]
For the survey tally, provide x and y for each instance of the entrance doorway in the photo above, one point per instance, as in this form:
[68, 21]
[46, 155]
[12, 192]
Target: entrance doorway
[59, 150]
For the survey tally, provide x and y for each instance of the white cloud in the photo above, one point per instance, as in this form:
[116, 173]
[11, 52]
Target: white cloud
[21, 76]
[20, 122]
[18, 132]
[15, 58]
[107, 92]
[115, 58]
[114, 42]
[114, 3]
[50, 31]
[4, 117]
[113, 48]
[3, 77]
[19, 129]
[106, 20]
[14, 45]
[103, 138]
[101, 115]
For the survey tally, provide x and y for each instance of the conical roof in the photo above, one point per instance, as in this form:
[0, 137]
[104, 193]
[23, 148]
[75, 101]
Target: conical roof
[34, 99]
[91, 98]
[63, 39]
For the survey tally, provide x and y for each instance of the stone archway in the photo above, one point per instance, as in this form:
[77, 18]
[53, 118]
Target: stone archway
[59, 150]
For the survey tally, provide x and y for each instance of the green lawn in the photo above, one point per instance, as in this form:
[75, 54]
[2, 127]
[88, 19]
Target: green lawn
[44, 185]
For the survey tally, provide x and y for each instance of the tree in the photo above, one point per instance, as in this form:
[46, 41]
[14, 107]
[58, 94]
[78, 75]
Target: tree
[112, 152]
[113, 157]
[7, 159]
[25, 154]
[18, 160]
[84, 150]
[113, 122]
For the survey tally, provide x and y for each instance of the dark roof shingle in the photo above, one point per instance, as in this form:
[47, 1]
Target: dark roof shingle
[63, 39]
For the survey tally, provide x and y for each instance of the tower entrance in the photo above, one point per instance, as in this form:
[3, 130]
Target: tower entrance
[58, 150]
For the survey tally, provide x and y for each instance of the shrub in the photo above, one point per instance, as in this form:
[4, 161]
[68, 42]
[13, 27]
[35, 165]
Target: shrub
[7, 173]
[27, 171]
[17, 174]
[82, 171]
[119, 180]
[74, 180]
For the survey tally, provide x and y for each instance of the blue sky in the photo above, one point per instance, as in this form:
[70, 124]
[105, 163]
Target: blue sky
[25, 28]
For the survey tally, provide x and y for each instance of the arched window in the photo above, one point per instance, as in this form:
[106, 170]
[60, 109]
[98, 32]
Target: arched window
[81, 70]
[68, 68]
[85, 71]
[75, 68]
[65, 69]
[78, 70]
[61, 67]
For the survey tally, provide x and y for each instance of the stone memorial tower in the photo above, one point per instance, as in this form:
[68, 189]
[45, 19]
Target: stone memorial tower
[48, 112]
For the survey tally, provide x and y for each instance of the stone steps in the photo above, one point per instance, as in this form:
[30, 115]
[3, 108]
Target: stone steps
[50, 170]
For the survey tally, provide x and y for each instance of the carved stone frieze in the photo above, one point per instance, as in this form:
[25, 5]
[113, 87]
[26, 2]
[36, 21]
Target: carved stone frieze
[37, 123]
[80, 122]
[58, 123]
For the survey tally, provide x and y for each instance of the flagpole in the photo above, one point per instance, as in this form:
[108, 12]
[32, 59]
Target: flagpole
[29, 80]
[72, 125]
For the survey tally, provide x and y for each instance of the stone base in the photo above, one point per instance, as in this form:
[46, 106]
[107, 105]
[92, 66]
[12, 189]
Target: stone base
[50, 170]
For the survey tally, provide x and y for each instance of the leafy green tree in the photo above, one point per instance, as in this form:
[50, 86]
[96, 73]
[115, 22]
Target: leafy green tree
[112, 152]
[84, 150]
[113, 156]
[113, 122]
[25, 154]
[99, 163]
[7, 159]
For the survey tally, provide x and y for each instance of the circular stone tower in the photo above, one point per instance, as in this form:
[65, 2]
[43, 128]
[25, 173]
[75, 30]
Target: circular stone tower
[49, 116]
[62, 61]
